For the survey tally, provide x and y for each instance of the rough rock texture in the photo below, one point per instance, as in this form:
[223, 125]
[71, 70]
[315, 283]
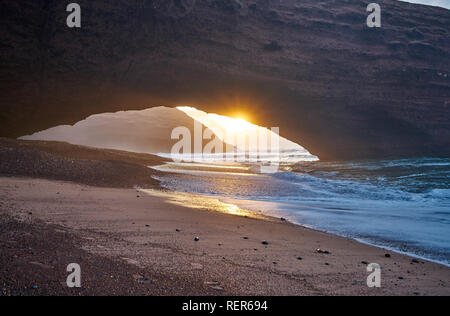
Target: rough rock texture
[312, 67]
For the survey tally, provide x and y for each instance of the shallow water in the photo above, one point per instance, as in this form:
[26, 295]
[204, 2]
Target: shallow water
[402, 205]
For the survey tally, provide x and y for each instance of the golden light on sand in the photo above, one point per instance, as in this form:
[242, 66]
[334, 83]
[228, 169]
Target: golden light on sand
[200, 202]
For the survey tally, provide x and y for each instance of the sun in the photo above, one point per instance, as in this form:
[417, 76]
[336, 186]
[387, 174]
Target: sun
[239, 124]
[233, 129]
[240, 116]
[230, 124]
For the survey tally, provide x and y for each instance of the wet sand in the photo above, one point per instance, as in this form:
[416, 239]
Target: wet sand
[131, 243]
[136, 229]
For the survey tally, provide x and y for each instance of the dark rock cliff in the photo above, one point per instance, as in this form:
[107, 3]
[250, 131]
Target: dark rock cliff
[312, 67]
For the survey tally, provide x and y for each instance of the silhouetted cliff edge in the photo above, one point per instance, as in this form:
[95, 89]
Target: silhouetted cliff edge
[314, 68]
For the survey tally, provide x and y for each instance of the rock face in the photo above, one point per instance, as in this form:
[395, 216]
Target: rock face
[311, 67]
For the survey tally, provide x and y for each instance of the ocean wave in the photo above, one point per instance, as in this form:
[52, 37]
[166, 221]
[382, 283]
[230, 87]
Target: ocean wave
[404, 203]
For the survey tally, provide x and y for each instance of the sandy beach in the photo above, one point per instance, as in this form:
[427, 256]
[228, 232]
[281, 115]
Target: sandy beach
[227, 149]
[128, 242]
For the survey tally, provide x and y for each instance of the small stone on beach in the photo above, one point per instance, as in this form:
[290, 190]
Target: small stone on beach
[196, 239]
[387, 255]
[145, 281]
[131, 261]
[265, 243]
[137, 276]
[197, 266]
[41, 265]
[299, 258]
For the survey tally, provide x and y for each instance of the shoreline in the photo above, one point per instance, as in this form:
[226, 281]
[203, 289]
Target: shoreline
[240, 203]
[157, 241]
[357, 239]
[153, 233]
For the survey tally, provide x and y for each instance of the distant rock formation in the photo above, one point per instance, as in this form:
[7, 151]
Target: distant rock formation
[150, 131]
[147, 131]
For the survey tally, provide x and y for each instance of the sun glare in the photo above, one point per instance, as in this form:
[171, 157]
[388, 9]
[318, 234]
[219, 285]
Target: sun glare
[232, 124]
[227, 124]
[229, 129]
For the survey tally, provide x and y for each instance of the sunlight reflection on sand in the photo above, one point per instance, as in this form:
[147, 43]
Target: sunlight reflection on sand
[200, 202]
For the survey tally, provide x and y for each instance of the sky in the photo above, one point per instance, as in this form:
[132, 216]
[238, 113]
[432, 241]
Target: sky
[440, 3]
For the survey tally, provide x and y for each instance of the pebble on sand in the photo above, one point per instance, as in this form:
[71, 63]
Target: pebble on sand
[265, 243]
[216, 287]
[145, 281]
[196, 239]
[387, 255]
[325, 252]
[41, 265]
[197, 266]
